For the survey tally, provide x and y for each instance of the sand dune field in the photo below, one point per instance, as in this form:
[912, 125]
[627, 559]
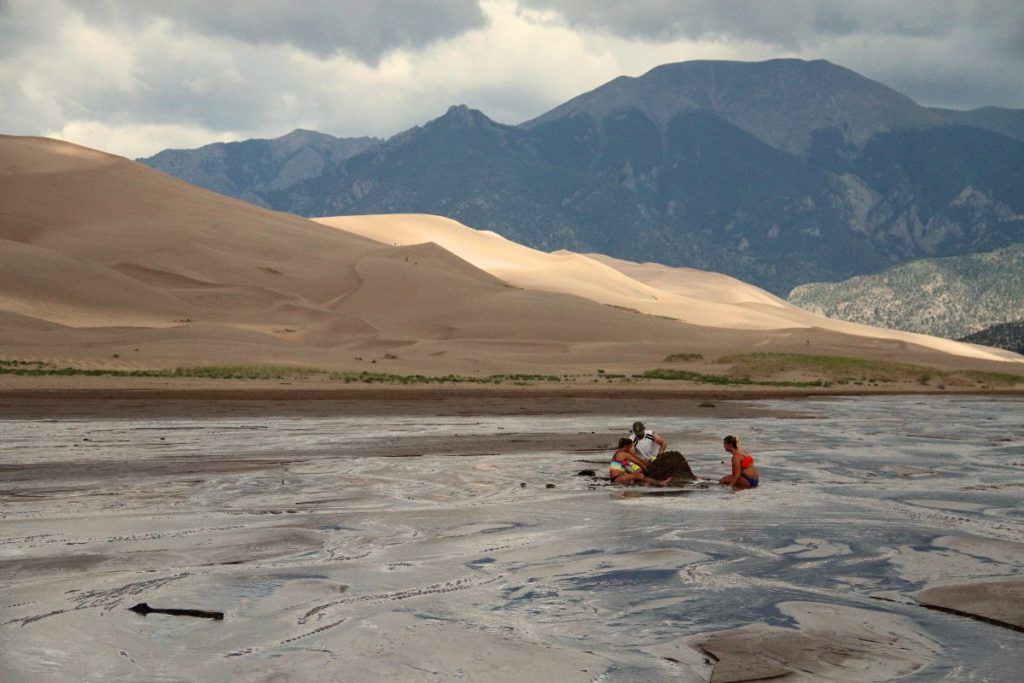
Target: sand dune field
[105, 263]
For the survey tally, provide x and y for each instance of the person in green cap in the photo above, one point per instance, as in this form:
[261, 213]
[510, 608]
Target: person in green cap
[647, 444]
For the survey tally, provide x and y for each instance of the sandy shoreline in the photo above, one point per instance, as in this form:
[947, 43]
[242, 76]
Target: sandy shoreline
[39, 397]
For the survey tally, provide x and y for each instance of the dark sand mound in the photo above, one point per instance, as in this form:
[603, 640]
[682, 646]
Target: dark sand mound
[671, 465]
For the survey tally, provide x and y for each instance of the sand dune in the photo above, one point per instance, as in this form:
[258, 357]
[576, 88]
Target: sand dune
[688, 295]
[114, 254]
[42, 280]
[107, 263]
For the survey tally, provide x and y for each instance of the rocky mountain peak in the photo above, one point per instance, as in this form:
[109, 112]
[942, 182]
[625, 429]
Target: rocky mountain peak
[462, 116]
[780, 101]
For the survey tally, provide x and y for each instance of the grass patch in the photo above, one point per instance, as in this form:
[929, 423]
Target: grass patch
[246, 372]
[288, 372]
[23, 364]
[683, 357]
[849, 370]
[755, 369]
[701, 378]
[1000, 378]
[837, 368]
[266, 372]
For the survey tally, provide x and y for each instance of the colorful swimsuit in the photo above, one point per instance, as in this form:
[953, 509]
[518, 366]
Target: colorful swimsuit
[616, 469]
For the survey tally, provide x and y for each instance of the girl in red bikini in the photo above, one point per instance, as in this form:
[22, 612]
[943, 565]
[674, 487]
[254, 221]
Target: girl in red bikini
[744, 474]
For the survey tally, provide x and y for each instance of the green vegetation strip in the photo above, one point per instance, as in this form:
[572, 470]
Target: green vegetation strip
[39, 368]
[666, 373]
[844, 369]
[747, 369]
[683, 357]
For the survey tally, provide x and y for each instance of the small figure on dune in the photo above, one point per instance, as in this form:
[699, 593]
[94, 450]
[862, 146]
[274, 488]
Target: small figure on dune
[647, 443]
[744, 474]
[627, 468]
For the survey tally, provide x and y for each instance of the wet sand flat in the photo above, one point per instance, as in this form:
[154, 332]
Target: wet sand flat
[428, 545]
[197, 398]
[996, 602]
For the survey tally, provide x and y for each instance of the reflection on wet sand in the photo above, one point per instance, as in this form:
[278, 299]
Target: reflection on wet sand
[330, 557]
[658, 493]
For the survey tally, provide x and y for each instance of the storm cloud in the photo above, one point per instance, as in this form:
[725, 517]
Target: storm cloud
[134, 77]
[953, 53]
[364, 30]
[793, 24]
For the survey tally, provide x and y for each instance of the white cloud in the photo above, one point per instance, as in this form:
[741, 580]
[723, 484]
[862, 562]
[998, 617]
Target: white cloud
[137, 140]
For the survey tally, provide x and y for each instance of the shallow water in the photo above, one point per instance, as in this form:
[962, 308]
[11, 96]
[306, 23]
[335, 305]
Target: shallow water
[327, 558]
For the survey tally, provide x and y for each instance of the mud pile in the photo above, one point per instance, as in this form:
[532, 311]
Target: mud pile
[671, 464]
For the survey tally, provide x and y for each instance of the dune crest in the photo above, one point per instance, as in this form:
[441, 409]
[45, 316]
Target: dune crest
[691, 296]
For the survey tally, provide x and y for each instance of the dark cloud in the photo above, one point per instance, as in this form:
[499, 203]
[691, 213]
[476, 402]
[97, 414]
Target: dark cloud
[360, 29]
[190, 68]
[957, 53]
[785, 24]
[220, 65]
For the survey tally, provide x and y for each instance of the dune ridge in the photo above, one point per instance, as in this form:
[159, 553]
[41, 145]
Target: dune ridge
[688, 295]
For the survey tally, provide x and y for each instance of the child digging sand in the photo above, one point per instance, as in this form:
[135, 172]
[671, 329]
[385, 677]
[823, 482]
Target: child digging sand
[627, 468]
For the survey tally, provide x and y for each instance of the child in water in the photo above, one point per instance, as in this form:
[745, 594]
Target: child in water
[744, 474]
[627, 468]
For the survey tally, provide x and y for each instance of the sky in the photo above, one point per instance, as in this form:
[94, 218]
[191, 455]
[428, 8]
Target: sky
[133, 77]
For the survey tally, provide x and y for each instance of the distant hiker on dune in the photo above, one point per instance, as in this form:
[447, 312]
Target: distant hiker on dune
[627, 468]
[646, 443]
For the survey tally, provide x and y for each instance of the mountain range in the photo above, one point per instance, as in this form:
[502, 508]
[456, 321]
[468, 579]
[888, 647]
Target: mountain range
[251, 169]
[949, 297]
[780, 173]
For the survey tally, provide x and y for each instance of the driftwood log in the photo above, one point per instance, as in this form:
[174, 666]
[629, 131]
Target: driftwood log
[144, 609]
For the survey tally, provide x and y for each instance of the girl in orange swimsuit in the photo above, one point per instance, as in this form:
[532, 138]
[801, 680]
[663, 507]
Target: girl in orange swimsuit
[744, 474]
[627, 467]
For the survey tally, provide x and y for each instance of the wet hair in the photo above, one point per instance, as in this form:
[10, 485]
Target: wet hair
[625, 441]
[731, 441]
